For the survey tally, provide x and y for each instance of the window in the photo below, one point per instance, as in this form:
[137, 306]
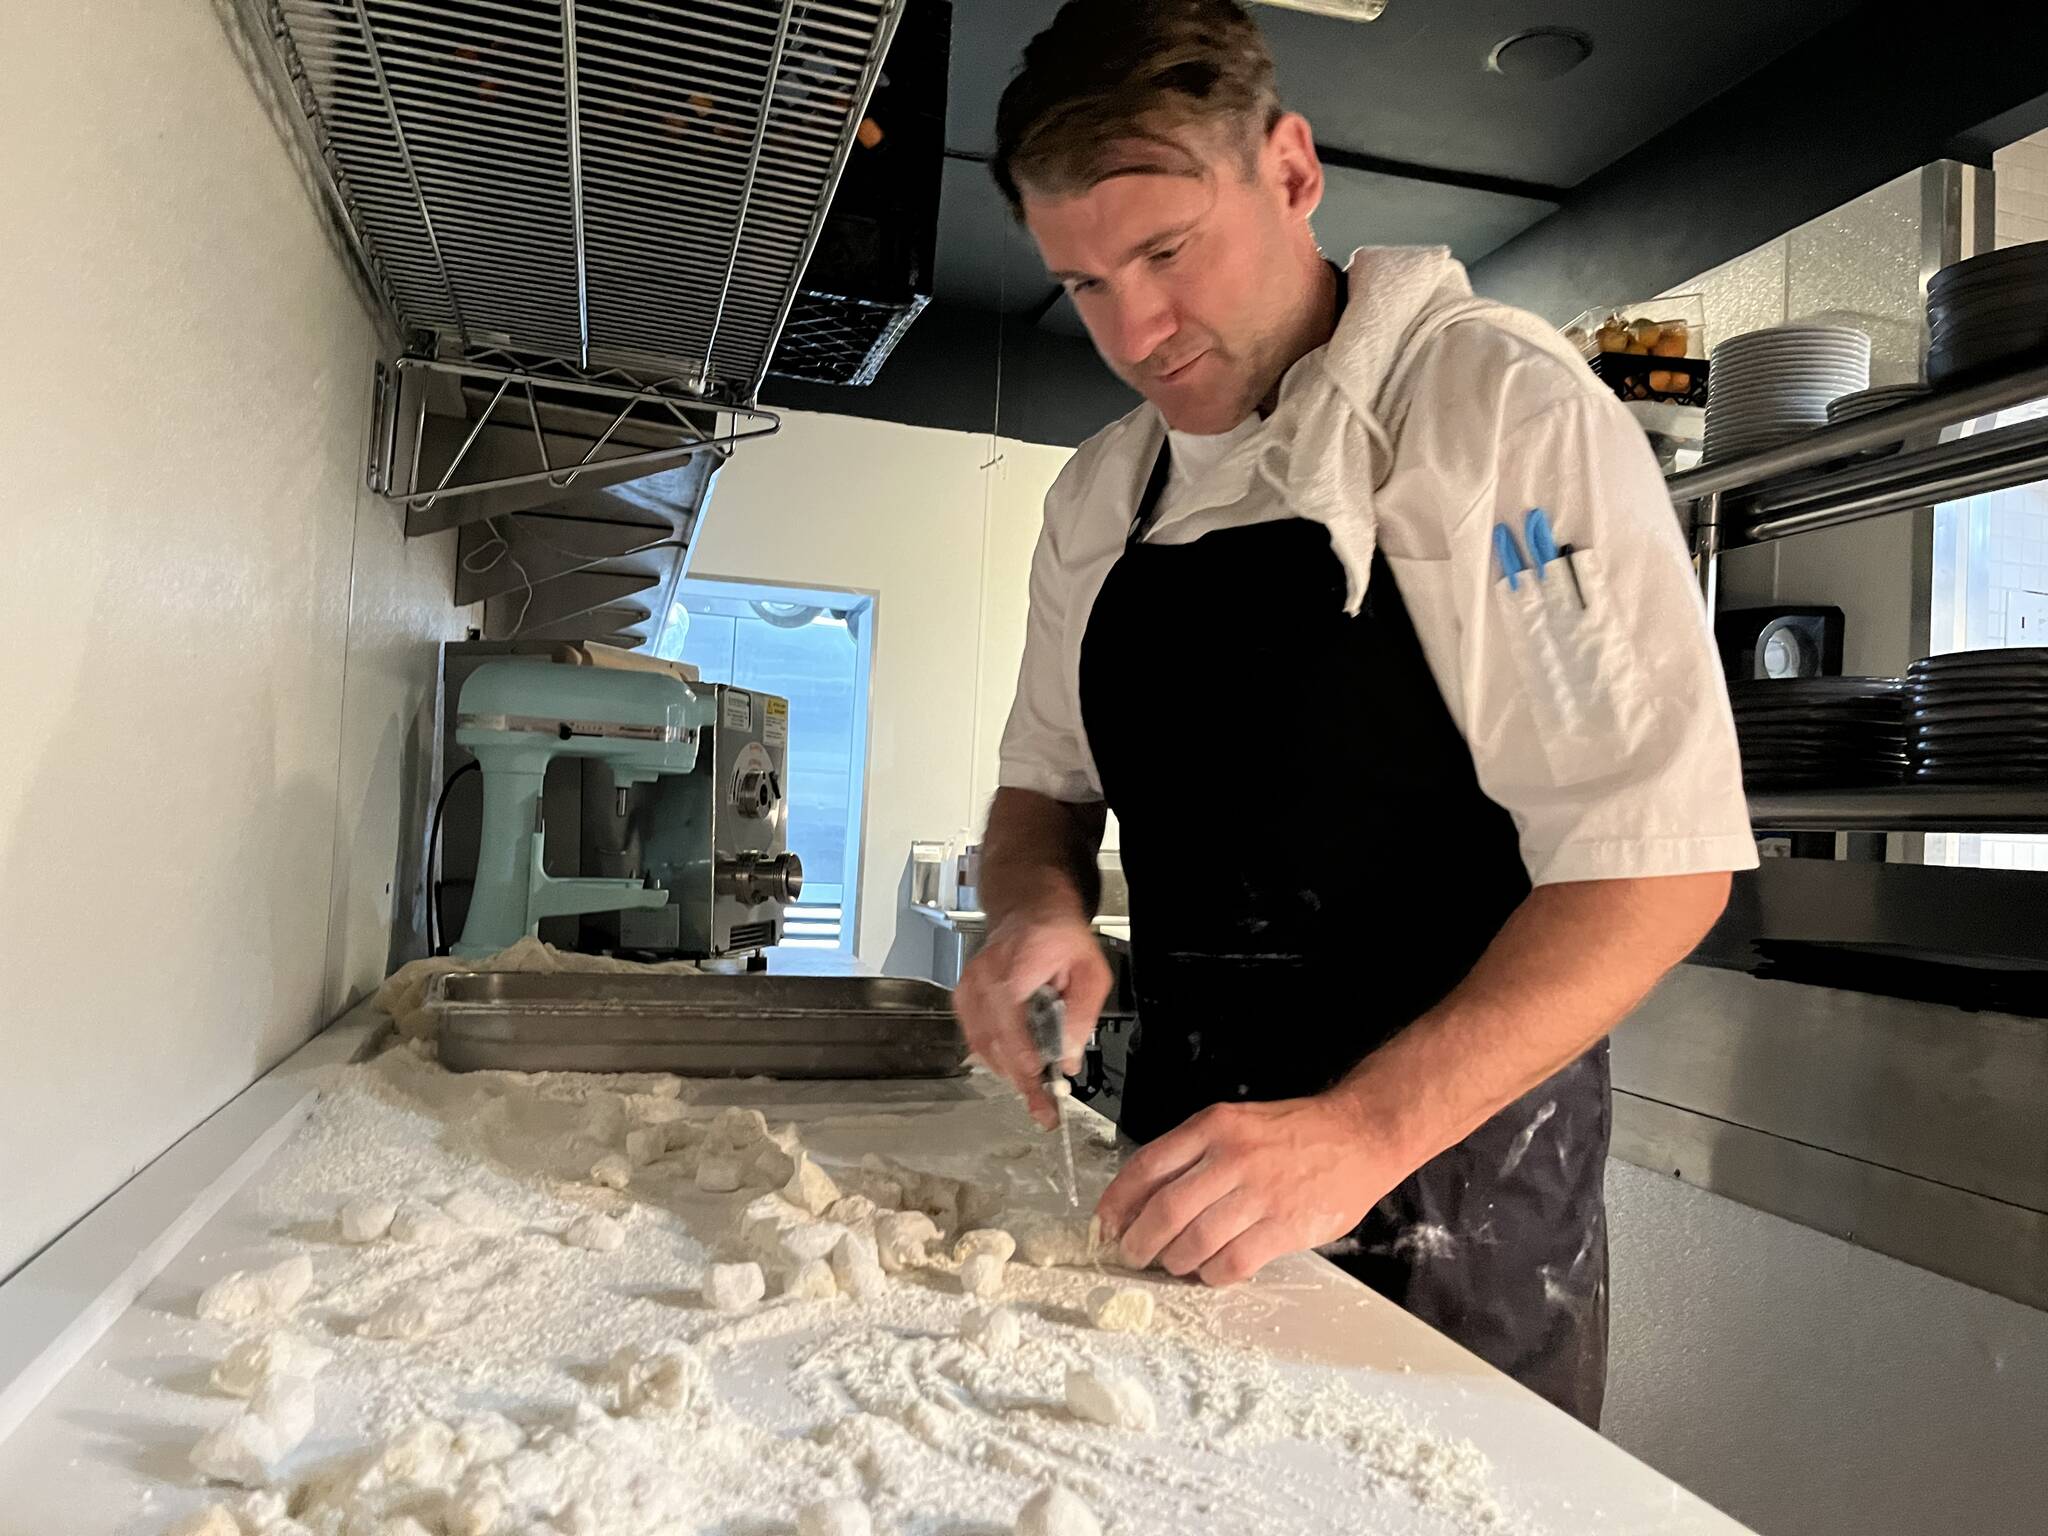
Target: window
[814, 649]
[1991, 590]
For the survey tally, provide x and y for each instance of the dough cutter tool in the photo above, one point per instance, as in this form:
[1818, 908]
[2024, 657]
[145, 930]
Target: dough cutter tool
[1046, 1012]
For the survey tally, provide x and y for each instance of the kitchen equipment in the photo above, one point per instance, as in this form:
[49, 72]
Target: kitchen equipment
[1815, 732]
[1779, 641]
[1774, 385]
[676, 842]
[1046, 1013]
[1979, 717]
[1989, 310]
[698, 1026]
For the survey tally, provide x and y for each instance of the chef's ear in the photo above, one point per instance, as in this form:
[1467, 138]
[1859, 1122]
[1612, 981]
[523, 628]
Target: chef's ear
[1293, 165]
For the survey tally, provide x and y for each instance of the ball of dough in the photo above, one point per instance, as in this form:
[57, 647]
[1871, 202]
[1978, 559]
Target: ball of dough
[426, 1225]
[614, 1170]
[243, 1369]
[902, 1238]
[984, 1240]
[834, 1517]
[214, 1520]
[804, 1241]
[1070, 1244]
[739, 1128]
[478, 1211]
[1056, 1512]
[856, 1267]
[1120, 1308]
[982, 1275]
[365, 1219]
[646, 1144]
[1107, 1398]
[719, 1173]
[597, 1232]
[997, 1330]
[247, 1295]
[666, 1378]
[811, 1281]
[415, 1313]
[734, 1287]
[810, 1186]
[851, 1211]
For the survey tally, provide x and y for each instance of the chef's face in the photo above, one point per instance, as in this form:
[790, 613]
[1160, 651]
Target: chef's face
[1191, 271]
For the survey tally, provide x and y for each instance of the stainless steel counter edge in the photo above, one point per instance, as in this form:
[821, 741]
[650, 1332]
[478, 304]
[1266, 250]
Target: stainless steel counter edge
[1118, 928]
[55, 1307]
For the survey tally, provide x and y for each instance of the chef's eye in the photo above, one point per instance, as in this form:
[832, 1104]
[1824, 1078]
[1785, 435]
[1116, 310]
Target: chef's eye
[1081, 285]
[1162, 258]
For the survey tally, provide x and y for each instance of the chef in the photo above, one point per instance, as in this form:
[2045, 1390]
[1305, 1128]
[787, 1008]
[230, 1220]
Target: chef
[1374, 629]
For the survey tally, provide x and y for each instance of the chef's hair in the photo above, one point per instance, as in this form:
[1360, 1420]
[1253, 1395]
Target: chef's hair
[1114, 87]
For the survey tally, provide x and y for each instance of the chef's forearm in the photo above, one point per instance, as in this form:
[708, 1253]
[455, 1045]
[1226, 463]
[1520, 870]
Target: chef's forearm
[1569, 965]
[1038, 856]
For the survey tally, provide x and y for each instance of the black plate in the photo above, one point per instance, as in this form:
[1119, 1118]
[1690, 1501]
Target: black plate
[1980, 717]
[1981, 269]
[1965, 731]
[1971, 661]
[1949, 369]
[1980, 773]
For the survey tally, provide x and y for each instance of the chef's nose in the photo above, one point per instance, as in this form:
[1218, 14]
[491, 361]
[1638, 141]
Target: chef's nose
[1142, 321]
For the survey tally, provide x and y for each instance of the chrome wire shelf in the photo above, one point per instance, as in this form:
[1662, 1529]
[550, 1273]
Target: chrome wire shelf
[619, 187]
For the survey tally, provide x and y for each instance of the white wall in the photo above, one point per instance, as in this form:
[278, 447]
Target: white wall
[1813, 1388]
[942, 538]
[216, 646]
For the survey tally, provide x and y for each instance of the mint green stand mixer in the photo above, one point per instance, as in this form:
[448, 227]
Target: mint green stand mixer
[517, 717]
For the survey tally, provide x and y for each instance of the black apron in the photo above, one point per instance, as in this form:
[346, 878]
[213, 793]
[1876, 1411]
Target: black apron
[1313, 865]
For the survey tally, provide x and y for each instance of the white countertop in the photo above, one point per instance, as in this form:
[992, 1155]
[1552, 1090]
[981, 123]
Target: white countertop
[103, 1450]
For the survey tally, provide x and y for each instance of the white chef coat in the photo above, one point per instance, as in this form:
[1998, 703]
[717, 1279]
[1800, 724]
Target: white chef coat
[1604, 732]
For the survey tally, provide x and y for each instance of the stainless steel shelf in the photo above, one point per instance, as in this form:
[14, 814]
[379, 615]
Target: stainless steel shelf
[1903, 808]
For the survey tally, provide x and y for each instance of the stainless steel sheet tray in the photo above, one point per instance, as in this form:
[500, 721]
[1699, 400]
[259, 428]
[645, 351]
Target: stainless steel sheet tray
[699, 1026]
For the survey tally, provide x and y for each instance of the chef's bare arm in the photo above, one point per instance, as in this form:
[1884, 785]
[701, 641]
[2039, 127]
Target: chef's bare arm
[1039, 887]
[1238, 1185]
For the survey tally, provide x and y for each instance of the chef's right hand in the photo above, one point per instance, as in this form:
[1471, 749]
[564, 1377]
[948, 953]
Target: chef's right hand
[1025, 952]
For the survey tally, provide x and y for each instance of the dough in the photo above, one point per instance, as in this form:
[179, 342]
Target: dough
[214, 1520]
[597, 1232]
[738, 1129]
[851, 1211]
[421, 1455]
[365, 1219]
[812, 1281]
[734, 1287]
[426, 1225]
[803, 1241]
[262, 1509]
[719, 1173]
[997, 1330]
[985, 1240]
[834, 1517]
[249, 1447]
[666, 1378]
[243, 1369]
[417, 1312]
[810, 1186]
[474, 1512]
[646, 1144]
[982, 1275]
[901, 1240]
[1069, 1243]
[1120, 1308]
[478, 1211]
[857, 1267]
[487, 1437]
[1105, 1397]
[247, 1295]
[773, 1163]
[614, 1171]
[1056, 1512]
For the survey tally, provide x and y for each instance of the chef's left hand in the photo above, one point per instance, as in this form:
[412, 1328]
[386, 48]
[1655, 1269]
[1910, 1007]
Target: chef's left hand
[1238, 1185]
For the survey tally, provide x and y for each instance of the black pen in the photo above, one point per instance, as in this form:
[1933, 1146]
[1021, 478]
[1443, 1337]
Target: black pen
[1564, 553]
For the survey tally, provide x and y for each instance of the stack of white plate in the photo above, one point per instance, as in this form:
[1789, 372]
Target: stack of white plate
[1771, 386]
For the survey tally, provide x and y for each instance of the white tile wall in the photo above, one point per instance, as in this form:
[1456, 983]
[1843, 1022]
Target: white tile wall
[2022, 171]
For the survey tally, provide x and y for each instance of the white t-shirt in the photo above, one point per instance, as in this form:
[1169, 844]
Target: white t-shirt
[1603, 731]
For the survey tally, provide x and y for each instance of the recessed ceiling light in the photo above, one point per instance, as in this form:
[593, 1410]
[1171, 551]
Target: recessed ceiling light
[1343, 10]
[1541, 53]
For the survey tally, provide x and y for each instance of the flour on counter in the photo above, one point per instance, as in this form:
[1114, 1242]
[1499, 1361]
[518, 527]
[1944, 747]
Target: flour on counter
[508, 1382]
[252, 1295]
[246, 1367]
[1055, 1512]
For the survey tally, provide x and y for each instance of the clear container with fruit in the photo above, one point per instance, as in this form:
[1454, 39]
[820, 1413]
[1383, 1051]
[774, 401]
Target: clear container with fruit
[1656, 350]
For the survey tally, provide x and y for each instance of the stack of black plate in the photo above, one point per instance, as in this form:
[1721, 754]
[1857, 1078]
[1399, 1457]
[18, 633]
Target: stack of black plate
[1821, 732]
[1980, 717]
[1986, 311]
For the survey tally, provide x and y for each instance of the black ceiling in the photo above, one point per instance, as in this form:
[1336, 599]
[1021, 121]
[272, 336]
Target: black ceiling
[1423, 143]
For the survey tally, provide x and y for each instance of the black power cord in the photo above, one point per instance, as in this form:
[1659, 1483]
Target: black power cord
[434, 924]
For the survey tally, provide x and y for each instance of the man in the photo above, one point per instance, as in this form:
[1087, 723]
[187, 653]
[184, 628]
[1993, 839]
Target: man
[1406, 834]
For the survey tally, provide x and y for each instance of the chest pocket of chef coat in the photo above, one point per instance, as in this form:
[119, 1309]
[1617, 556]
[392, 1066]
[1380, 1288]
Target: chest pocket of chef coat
[1573, 667]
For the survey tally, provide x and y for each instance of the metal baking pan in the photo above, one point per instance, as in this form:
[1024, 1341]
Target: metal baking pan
[699, 1026]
